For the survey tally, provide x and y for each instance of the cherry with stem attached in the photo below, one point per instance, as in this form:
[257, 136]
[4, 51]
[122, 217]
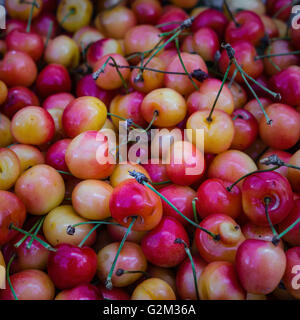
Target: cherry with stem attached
[8, 277]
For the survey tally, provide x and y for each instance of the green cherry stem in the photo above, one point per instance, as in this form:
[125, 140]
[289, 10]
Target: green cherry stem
[283, 233]
[195, 210]
[49, 33]
[64, 172]
[89, 234]
[168, 24]
[188, 252]
[19, 243]
[67, 16]
[33, 4]
[8, 277]
[108, 282]
[36, 231]
[276, 55]
[267, 201]
[124, 119]
[161, 183]
[155, 115]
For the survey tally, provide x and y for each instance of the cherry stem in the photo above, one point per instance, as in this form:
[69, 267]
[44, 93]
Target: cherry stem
[96, 74]
[50, 29]
[43, 243]
[8, 277]
[283, 233]
[36, 231]
[108, 282]
[195, 210]
[272, 61]
[188, 252]
[275, 160]
[19, 243]
[161, 183]
[183, 65]
[64, 172]
[67, 16]
[71, 228]
[276, 55]
[250, 174]
[167, 24]
[144, 54]
[209, 118]
[89, 234]
[267, 201]
[33, 4]
[231, 14]
[232, 78]
[287, 5]
[120, 272]
[124, 119]
[155, 115]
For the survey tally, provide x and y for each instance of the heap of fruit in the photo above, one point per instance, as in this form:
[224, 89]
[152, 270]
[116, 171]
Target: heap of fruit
[76, 224]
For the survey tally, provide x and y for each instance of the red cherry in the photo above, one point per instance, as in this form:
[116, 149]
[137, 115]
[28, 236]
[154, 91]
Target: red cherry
[113, 294]
[55, 156]
[81, 292]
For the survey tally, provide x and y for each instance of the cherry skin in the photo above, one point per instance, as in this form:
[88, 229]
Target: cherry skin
[295, 34]
[83, 114]
[12, 210]
[131, 258]
[245, 129]
[270, 26]
[55, 156]
[182, 83]
[10, 168]
[223, 249]
[36, 121]
[6, 137]
[259, 186]
[113, 294]
[251, 28]
[58, 101]
[54, 78]
[169, 104]
[185, 280]
[291, 275]
[90, 199]
[293, 174]
[173, 14]
[34, 258]
[157, 171]
[153, 289]
[29, 156]
[29, 285]
[213, 197]
[80, 292]
[41, 189]
[239, 95]
[117, 233]
[260, 266]
[81, 16]
[211, 18]
[86, 156]
[219, 281]
[292, 237]
[13, 24]
[18, 98]
[18, 69]
[218, 133]
[147, 11]
[21, 11]
[273, 6]
[42, 24]
[185, 4]
[253, 107]
[57, 222]
[144, 204]
[185, 163]
[71, 266]
[159, 244]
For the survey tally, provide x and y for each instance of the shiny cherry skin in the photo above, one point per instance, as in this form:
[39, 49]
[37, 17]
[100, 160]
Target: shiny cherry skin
[185, 280]
[259, 186]
[253, 107]
[219, 281]
[173, 14]
[34, 258]
[41, 188]
[58, 101]
[90, 199]
[223, 249]
[291, 275]
[6, 137]
[293, 174]
[144, 204]
[71, 266]
[239, 95]
[131, 258]
[211, 18]
[287, 83]
[113, 294]
[153, 289]
[273, 6]
[87, 157]
[21, 11]
[251, 28]
[28, 155]
[10, 168]
[213, 197]
[157, 171]
[159, 244]
[245, 129]
[12, 210]
[58, 220]
[18, 98]
[29, 285]
[35, 120]
[260, 266]
[80, 292]
[245, 56]
[117, 233]
[54, 78]
[181, 197]
[147, 11]
[42, 24]
[169, 104]
[185, 163]
[270, 26]
[18, 69]
[55, 156]
[86, 36]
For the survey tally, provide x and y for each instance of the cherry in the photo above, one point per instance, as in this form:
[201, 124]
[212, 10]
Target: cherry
[260, 266]
[6, 138]
[18, 10]
[44, 22]
[213, 197]
[85, 37]
[167, 275]
[80, 292]
[159, 244]
[253, 107]
[10, 168]
[157, 172]
[117, 232]
[145, 204]
[279, 8]
[29, 285]
[291, 275]
[13, 24]
[55, 156]
[219, 281]
[169, 16]
[58, 101]
[147, 11]
[113, 294]
[271, 28]
[71, 266]
[239, 95]
[185, 4]
[295, 34]
[293, 174]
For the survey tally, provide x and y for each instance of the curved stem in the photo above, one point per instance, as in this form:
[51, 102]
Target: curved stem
[108, 282]
[36, 231]
[267, 201]
[155, 115]
[8, 277]
[66, 17]
[195, 210]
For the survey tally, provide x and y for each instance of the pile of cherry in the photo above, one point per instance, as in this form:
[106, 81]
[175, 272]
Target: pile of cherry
[76, 225]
